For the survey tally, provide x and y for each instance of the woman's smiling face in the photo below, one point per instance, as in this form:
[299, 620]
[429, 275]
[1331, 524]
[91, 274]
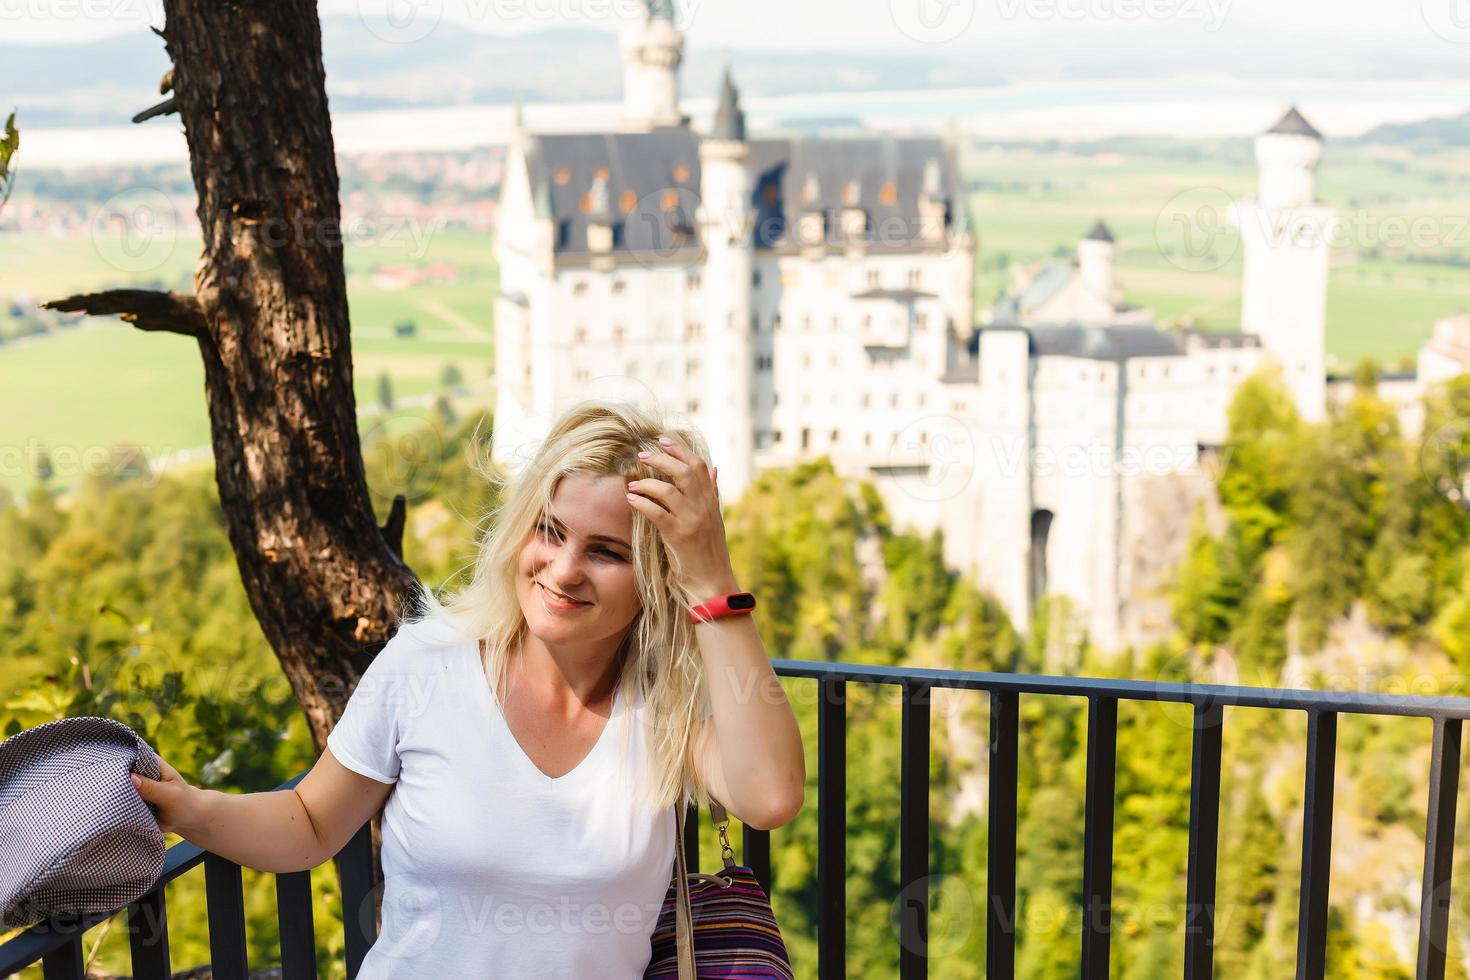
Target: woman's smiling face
[575, 580]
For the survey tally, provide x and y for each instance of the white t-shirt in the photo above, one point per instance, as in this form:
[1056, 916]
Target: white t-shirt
[493, 869]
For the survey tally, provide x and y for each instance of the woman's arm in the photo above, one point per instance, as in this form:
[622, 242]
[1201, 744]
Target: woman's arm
[277, 831]
[750, 753]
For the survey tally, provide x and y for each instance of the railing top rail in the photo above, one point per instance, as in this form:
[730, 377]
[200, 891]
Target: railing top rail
[1361, 703]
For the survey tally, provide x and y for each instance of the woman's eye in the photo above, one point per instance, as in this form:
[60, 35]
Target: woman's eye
[610, 554]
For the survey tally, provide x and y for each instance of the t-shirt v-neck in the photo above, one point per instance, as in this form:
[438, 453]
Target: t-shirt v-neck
[500, 727]
[491, 867]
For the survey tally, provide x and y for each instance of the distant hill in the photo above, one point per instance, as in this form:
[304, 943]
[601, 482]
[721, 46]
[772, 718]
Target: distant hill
[106, 81]
[1437, 133]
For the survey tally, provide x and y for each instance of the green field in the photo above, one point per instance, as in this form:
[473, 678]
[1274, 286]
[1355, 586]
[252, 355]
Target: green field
[104, 382]
[1382, 300]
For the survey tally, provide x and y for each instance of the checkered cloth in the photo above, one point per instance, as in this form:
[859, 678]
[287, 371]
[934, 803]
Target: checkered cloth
[75, 836]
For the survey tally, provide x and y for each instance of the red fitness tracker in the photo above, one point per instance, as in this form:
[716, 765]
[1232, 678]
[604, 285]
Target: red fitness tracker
[732, 604]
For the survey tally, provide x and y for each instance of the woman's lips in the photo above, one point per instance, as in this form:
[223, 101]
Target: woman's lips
[554, 599]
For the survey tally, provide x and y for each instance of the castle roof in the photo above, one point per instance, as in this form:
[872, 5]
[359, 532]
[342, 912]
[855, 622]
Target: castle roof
[1295, 124]
[653, 180]
[1113, 342]
[1100, 233]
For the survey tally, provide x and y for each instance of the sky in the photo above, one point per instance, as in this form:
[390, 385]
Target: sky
[836, 24]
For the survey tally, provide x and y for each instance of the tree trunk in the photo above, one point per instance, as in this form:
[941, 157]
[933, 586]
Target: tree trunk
[269, 312]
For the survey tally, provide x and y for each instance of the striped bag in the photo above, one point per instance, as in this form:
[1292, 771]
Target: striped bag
[724, 917]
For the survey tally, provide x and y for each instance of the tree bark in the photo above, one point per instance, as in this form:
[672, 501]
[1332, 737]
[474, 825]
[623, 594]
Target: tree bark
[270, 314]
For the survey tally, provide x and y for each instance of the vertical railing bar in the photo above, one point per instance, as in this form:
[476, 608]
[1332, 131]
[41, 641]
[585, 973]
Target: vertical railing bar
[359, 911]
[756, 848]
[1204, 842]
[913, 833]
[832, 829]
[148, 936]
[1439, 849]
[66, 962]
[296, 925]
[1311, 940]
[1097, 862]
[224, 900]
[1000, 884]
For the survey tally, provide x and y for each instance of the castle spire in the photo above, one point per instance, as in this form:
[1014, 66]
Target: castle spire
[729, 117]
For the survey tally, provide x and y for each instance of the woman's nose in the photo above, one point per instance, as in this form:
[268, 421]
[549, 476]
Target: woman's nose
[566, 565]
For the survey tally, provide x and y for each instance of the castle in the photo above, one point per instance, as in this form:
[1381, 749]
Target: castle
[805, 297]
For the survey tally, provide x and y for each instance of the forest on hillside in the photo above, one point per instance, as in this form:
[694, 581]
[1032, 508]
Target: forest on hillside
[1342, 562]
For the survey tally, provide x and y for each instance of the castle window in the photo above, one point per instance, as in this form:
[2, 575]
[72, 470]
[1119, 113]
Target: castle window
[755, 277]
[833, 359]
[580, 334]
[836, 434]
[694, 404]
[691, 366]
[617, 334]
[1211, 369]
[806, 360]
[893, 400]
[581, 376]
[777, 435]
[873, 278]
[693, 330]
[618, 286]
[681, 172]
[629, 200]
[755, 323]
[889, 193]
[915, 277]
[923, 321]
[922, 396]
[695, 281]
[602, 173]
[563, 176]
[579, 288]
[836, 323]
[867, 438]
[867, 400]
[806, 438]
[806, 322]
[1166, 370]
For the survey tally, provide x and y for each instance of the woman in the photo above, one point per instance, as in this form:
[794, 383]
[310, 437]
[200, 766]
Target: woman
[532, 734]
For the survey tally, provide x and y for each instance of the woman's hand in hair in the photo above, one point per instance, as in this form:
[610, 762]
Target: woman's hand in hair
[686, 510]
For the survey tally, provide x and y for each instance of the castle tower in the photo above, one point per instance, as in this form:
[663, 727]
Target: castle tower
[726, 221]
[1287, 236]
[652, 54]
[1095, 259]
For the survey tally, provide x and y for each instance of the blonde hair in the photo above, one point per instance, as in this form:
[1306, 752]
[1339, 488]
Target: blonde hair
[659, 660]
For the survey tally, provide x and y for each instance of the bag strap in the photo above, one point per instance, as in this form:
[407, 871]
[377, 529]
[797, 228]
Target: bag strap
[683, 918]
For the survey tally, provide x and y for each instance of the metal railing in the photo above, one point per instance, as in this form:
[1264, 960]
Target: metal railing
[59, 946]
